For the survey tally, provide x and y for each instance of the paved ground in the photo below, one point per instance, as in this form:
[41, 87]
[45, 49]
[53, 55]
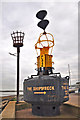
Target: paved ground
[73, 100]
[27, 113]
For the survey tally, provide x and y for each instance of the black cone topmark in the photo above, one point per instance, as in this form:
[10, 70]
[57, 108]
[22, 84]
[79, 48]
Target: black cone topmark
[41, 15]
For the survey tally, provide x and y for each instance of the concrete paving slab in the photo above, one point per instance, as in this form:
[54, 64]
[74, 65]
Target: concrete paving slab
[74, 99]
[9, 111]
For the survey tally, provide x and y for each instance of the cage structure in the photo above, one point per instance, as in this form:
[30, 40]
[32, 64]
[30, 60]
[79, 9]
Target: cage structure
[44, 58]
[17, 38]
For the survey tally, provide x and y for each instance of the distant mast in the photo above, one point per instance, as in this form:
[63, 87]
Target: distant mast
[69, 74]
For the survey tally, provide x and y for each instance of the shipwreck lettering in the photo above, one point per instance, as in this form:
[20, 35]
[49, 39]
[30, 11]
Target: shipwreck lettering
[43, 88]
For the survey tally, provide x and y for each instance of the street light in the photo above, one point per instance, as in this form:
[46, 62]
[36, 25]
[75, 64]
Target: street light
[17, 38]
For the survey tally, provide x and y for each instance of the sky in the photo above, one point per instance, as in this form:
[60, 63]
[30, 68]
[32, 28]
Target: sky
[21, 16]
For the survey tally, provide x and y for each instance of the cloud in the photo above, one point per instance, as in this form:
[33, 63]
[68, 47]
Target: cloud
[63, 19]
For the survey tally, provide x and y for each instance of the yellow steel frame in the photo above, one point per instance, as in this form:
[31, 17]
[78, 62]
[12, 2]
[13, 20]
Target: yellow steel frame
[42, 61]
[40, 41]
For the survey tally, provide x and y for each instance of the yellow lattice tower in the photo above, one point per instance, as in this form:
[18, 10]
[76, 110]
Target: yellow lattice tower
[44, 60]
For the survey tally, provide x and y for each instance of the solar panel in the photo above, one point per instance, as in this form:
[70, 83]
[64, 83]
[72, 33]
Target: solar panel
[41, 14]
[43, 24]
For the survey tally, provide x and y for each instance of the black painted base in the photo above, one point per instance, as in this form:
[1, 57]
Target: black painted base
[45, 110]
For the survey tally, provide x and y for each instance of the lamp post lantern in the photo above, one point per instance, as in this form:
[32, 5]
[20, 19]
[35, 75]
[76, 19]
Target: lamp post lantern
[17, 38]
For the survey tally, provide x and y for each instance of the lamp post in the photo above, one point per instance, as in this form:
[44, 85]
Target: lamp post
[17, 38]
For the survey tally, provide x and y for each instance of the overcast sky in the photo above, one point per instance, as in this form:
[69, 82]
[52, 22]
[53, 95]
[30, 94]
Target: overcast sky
[21, 16]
